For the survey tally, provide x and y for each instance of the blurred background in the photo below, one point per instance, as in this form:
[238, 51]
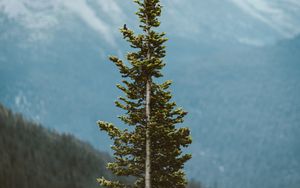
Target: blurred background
[235, 66]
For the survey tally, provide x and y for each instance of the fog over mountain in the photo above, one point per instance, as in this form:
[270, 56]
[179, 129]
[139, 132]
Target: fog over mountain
[235, 66]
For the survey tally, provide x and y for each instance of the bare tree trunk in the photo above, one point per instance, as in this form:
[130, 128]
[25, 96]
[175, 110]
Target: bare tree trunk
[148, 140]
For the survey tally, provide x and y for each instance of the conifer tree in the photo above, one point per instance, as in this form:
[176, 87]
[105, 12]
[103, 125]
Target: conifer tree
[150, 151]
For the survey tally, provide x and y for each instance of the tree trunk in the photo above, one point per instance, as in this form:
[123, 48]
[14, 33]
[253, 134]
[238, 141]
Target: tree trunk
[148, 140]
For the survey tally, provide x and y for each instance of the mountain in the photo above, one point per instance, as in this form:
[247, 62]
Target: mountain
[244, 114]
[32, 156]
[235, 68]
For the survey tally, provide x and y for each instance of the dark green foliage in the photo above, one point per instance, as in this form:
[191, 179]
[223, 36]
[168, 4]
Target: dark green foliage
[34, 157]
[129, 146]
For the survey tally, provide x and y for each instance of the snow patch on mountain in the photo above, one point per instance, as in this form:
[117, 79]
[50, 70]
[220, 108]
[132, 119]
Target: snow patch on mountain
[40, 17]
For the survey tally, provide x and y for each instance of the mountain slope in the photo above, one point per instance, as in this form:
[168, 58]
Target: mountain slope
[244, 111]
[34, 157]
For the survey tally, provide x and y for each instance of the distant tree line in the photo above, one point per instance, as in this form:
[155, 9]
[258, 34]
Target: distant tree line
[33, 157]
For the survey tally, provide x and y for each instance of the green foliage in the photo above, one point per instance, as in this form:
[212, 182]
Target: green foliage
[146, 63]
[34, 157]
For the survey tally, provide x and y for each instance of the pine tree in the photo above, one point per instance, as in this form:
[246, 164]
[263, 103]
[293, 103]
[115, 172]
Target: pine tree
[150, 150]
